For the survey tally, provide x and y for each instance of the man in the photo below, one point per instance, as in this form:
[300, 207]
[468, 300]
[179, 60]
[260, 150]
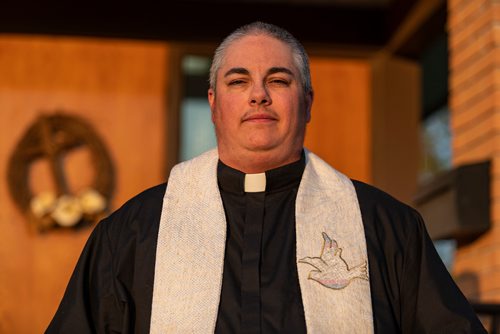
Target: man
[260, 235]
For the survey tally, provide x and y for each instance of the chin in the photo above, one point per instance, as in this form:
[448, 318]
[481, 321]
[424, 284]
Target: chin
[263, 148]
[262, 144]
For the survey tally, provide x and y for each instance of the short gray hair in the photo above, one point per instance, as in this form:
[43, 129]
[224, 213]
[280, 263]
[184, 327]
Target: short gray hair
[257, 28]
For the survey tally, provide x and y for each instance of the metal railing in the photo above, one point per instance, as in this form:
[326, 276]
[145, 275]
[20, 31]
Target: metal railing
[489, 315]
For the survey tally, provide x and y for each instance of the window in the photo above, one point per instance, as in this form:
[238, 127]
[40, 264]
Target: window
[196, 129]
[435, 125]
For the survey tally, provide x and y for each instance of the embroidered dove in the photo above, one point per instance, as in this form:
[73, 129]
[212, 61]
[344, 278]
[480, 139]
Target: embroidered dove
[332, 270]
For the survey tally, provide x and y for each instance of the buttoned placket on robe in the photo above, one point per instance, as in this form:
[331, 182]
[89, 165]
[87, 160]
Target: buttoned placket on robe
[252, 245]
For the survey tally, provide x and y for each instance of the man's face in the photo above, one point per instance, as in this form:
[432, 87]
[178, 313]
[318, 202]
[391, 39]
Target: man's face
[259, 108]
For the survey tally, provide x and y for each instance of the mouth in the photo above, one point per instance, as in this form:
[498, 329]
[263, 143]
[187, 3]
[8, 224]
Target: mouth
[259, 118]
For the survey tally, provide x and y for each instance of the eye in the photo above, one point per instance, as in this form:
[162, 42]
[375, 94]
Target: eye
[236, 82]
[279, 82]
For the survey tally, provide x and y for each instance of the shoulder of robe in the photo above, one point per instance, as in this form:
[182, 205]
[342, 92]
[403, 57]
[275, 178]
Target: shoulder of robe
[138, 217]
[385, 212]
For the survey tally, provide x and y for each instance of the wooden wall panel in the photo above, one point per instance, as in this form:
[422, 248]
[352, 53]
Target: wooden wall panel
[340, 128]
[120, 88]
[396, 126]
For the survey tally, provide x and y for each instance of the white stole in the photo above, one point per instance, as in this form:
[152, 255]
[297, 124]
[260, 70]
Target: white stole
[191, 246]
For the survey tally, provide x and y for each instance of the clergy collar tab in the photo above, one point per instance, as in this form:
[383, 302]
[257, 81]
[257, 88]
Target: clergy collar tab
[255, 183]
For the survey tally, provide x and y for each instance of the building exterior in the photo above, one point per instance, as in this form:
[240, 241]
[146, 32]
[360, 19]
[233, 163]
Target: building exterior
[131, 78]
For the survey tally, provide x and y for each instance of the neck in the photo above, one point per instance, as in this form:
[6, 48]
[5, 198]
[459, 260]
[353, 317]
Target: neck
[259, 161]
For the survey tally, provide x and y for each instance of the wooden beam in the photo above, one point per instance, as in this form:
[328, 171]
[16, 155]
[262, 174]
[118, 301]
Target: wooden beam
[196, 21]
[416, 18]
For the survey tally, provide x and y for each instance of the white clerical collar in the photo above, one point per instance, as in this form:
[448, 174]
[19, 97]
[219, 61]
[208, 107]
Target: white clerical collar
[255, 183]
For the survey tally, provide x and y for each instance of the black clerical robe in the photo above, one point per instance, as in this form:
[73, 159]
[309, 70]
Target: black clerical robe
[111, 288]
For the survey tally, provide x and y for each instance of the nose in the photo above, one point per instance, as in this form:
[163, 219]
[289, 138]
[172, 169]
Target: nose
[259, 96]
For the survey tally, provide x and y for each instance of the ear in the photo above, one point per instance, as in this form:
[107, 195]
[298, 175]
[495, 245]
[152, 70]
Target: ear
[309, 96]
[211, 101]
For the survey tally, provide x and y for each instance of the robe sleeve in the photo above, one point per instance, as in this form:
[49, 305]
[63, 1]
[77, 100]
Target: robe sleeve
[111, 288]
[412, 291]
[90, 304]
[431, 301]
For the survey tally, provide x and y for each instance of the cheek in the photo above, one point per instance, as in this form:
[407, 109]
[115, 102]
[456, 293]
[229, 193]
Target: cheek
[230, 110]
[292, 109]
[224, 119]
[234, 102]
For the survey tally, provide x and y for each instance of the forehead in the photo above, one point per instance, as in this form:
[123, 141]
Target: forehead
[258, 52]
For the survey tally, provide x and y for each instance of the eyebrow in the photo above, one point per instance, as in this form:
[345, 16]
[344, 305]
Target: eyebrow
[237, 70]
[244, 71]
[274, 70]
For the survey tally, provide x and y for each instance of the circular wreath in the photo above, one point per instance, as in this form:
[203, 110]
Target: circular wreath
[50, 137]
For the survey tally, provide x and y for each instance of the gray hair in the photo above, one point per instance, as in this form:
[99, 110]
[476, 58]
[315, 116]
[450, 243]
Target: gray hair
[257, 28]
